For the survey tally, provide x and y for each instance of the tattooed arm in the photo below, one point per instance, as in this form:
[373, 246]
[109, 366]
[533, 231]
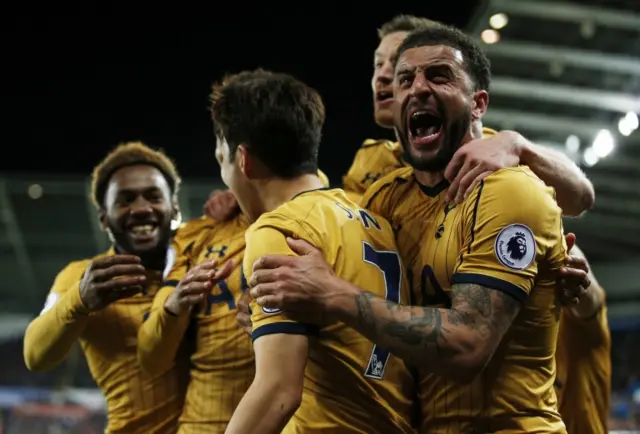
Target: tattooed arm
[455, 343]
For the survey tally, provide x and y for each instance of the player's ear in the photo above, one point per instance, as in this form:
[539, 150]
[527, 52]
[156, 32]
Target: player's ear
[480, 104]
[102, 218]
[245, 163]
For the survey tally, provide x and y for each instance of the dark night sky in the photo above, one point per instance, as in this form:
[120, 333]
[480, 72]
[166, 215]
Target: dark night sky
[74, 86]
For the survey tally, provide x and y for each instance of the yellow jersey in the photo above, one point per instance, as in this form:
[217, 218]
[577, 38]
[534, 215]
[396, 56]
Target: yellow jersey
[375, 159]
[137, 402]
[583, 379]
[222, 363]
[350, 385]
[507, 235]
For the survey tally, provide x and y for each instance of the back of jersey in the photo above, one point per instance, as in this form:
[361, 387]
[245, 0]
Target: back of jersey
[350, 384]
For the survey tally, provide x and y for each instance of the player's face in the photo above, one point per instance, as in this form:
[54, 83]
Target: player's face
[139, 210]
[233, 176]
[382, 81]
[434, 100]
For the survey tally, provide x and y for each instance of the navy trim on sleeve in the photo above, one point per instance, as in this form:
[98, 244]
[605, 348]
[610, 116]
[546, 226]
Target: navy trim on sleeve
[171, 283]
[491, 282]
[289, 328]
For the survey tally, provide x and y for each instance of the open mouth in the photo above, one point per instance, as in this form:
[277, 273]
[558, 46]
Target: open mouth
[424, 127]
[384, 95]
[142, 231]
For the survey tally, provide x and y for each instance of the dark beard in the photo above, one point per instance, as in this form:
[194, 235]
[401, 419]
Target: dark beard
[454, 134]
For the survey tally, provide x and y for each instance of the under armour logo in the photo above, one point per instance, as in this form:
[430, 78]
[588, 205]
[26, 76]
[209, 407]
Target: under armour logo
[211, 250]
[369, 177]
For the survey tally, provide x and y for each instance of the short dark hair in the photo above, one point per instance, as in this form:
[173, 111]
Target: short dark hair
[131, 154]
[277, 117]
[405, 23]
[476, 61]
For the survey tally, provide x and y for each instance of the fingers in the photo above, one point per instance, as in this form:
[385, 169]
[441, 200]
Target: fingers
[454, 188]
[570, 238]
[272, 261]
[263, 289]
[465, 178]
[455, 164]
[263, 276]
[475, 183]
[575, 262]
[244, 321]
[108, 261]
[104, 274]
[124, 293]
[301, 247]
[224, 272]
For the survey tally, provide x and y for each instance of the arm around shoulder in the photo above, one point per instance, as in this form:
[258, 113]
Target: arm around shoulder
[574, 192]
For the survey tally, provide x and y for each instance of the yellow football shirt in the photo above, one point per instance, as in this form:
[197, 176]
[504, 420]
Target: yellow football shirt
[583, 380]
[222, 363]
[137, 403]
[375, 159]
[507, 235]
[350, 385]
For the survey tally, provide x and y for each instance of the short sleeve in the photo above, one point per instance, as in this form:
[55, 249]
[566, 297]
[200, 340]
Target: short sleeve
[270, 238]
[512, 232]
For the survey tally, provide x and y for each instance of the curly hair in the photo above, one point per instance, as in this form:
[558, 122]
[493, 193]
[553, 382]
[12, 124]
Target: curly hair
[130, 154]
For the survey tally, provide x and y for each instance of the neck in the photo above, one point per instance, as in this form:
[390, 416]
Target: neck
[431, 179]
[276, 191]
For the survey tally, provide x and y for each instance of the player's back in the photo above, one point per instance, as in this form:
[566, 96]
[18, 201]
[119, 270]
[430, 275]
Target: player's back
[350, 385]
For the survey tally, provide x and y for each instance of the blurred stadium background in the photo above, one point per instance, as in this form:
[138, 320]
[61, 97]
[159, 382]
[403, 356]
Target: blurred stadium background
[566, 74]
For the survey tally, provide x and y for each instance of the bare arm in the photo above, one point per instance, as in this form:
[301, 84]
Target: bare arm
[276, 391]
[574, 192]
[456, 343]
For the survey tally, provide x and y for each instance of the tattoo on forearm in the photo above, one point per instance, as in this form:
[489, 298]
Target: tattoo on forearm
[480, 311]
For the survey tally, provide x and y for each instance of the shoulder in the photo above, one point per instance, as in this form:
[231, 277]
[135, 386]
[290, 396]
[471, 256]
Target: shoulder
[519, 182]
[188, 232]
[73, 272]
[387, 185]
[385, 145]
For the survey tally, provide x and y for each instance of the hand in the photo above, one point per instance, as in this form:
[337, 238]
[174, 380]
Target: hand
[292, 283]
[111, 278]
[243, 317]
[478, 159]
[221, 205]
[195, 285]
[573, 278]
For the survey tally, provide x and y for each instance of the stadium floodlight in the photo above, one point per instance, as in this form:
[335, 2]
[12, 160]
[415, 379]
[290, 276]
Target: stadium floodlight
[628, 124]
[490, 36]
[590, 157]
[603, 143]
[572, 144]
[499, 21]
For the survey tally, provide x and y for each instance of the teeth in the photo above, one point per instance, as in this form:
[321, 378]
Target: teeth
[141, 229]
[418, 113]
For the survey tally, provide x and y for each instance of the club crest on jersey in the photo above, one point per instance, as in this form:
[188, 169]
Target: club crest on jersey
[51, 300]
[515, 247]
[270, 310]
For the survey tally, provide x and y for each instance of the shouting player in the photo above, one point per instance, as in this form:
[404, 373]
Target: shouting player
[486, 355]
[101, 302]
[313, 374]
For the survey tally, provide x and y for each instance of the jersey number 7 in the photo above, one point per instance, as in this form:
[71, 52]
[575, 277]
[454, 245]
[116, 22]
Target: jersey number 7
[389, 264]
